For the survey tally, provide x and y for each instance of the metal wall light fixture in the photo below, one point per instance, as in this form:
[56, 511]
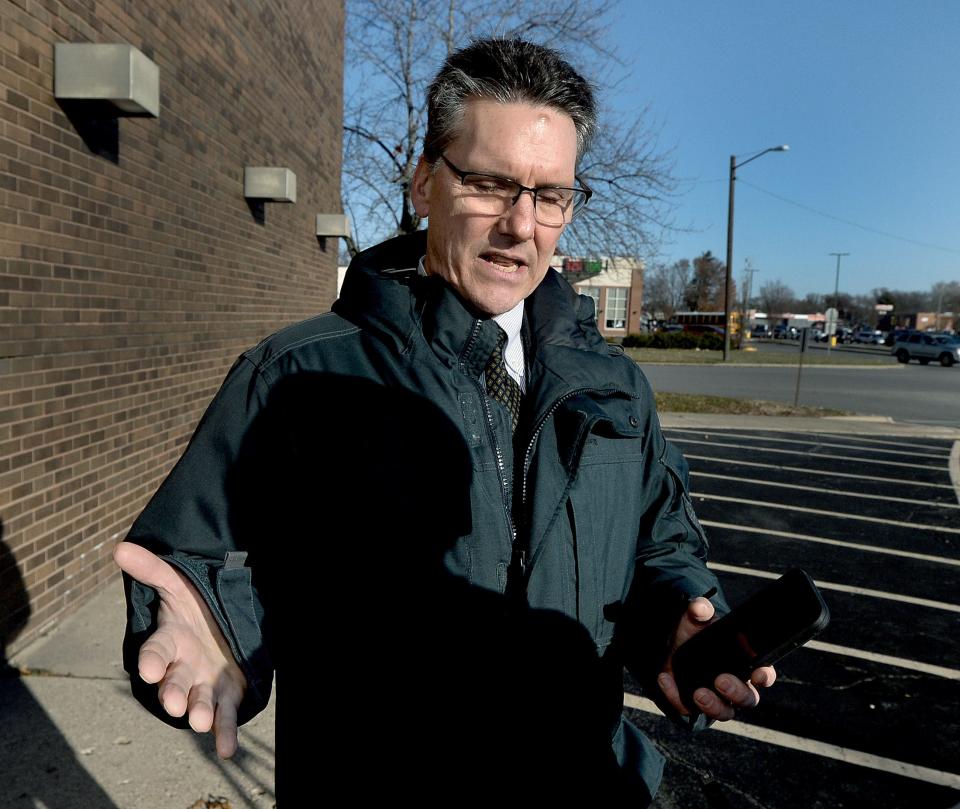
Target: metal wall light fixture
[271, 183]
[332, 225]
[119, 74]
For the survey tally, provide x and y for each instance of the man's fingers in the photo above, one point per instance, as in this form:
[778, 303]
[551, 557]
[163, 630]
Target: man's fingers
[200, 707]
[157, 654]
[175, 688]
[764, 676]
[698, 615]
[736, 692]
[713, 706]
[225, 727]
[146, 567]
[700, 610]
[669, 688]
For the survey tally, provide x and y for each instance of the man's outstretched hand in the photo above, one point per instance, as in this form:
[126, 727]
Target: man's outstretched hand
[187, 656]
[730, 693]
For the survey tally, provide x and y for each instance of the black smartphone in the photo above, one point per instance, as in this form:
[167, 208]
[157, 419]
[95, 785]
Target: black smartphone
[774, 621]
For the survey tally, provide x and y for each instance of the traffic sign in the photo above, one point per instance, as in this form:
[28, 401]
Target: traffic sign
[831, 324]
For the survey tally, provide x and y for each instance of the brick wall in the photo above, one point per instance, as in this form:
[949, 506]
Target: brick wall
[132, 270]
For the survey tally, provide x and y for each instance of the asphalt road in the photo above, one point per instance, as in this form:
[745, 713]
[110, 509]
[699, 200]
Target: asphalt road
[866, 714]
[910, 393]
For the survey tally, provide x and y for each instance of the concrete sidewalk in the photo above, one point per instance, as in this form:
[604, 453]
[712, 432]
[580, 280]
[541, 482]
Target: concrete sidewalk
[72, 736]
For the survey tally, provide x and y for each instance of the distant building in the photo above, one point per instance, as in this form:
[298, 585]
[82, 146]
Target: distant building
[616, 286]
[929, 321]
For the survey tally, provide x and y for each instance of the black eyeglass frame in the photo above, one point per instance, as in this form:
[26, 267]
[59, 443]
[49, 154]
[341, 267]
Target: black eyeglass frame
[584, 192]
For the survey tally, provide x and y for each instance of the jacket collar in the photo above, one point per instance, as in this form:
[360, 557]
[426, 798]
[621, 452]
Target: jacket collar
[383, 292]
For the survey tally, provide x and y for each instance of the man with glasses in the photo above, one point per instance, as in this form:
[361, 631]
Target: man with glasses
[444, 513]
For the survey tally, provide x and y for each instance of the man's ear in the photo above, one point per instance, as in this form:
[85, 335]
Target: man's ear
[420, 187]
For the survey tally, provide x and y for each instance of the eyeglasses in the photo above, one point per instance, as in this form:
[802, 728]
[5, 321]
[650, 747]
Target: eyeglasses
[488, 194]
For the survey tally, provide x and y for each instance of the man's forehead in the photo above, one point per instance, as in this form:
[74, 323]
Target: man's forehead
[506, 137]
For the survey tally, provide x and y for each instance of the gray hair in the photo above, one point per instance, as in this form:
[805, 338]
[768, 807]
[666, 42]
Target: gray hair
[508, 71]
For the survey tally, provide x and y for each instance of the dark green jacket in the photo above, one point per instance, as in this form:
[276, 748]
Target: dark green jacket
[352, 488]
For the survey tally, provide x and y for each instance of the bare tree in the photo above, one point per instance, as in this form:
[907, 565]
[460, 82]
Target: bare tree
[394, 47]
[945, 297]
[665, 286]
[776, 298]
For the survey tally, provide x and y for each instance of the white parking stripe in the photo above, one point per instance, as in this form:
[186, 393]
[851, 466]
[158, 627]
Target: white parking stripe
[816, 443]
[809, 456]
[955, 467]
[923, 557]
[887, 660]
[841, 492]
[814, 747]
[842, 588]
[885, 442]
[914, 526]
[818, 472]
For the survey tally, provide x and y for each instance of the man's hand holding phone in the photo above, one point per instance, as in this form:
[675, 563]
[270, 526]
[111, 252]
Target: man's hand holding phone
[731, 693]
[715, 666]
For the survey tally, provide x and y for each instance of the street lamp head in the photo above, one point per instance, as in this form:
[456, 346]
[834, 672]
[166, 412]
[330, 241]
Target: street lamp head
[783, 148]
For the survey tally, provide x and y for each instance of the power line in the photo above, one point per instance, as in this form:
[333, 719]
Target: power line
[848, 222]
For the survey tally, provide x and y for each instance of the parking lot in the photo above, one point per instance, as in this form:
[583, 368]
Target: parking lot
[868, 714]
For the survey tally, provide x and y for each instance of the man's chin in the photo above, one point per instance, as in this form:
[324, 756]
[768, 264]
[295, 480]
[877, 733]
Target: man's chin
[485, 307]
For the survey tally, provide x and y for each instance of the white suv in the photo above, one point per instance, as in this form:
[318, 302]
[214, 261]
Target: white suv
[925, 347]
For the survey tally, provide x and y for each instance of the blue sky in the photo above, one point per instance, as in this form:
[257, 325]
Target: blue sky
[867, 95]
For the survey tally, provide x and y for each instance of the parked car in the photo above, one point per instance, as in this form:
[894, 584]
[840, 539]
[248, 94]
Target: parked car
[703, 328]
[668, 327]
[781, 332]
[896, 334]
[760, 330]
[926, 347]
[868, 336]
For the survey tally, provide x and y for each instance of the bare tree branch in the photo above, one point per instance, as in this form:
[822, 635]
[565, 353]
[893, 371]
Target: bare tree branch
[394, 47]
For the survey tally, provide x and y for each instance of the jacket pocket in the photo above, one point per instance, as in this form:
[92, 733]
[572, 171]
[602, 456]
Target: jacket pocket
[604, 516]
[680, 519]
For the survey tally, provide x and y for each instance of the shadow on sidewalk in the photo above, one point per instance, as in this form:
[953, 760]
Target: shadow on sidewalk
[39, 767]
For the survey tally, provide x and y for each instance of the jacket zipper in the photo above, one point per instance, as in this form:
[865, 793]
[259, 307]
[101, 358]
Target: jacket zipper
[528, 455]
[505, 489]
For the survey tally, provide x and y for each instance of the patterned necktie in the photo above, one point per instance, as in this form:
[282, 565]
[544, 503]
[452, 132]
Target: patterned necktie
[502, 387]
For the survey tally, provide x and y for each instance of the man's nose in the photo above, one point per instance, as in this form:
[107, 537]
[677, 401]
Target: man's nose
[520, 219]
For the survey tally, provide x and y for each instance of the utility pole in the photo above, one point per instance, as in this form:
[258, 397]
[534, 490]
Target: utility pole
[748, 271]
[836, 284]
[836, 294]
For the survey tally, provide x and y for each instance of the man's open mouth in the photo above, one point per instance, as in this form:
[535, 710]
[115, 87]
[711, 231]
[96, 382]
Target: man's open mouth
[503, 263]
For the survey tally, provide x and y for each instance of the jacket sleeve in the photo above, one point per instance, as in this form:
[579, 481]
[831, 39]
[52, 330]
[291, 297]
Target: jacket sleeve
[189, 522]
[670, 565]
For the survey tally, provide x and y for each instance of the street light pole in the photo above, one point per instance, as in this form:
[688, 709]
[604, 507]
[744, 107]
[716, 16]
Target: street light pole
[728, 275]
[729, 271]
